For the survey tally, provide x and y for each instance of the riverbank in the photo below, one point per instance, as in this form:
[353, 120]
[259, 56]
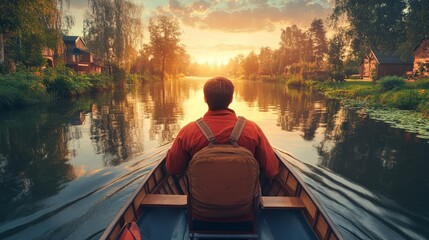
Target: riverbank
[400, 103]
[28, 88]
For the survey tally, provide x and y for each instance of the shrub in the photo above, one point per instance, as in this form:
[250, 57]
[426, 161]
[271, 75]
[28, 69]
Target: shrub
[307, 71]
[405, 99]
[422, 83]
[65, 82]
[294, 83]
[391, 83]
[310, 84]
[21, 88]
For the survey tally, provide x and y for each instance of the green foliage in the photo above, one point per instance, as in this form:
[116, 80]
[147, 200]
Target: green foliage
[27, 27]
[356, 89]
[318, 36]
[409, 97]
[373, 24]
[405, 99]
[250, 65]
[336, 57]
[65, 82]
[295, 83]
[351, 67]
[307, 71]
[424, 107]
[337, 76]
[420, 83]
[118, 73]
[22, 88]
[391, 83]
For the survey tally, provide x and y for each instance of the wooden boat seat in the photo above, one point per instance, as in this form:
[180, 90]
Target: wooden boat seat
[282, 202]
[165, 200]
[268, 202]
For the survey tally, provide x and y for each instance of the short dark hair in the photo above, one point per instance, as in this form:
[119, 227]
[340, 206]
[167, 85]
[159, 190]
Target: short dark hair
[218, 92]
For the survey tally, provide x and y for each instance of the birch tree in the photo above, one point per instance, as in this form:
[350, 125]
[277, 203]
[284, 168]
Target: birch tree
[113, 30]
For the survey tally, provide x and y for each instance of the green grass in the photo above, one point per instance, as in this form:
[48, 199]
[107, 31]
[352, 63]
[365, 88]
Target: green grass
[391, 92]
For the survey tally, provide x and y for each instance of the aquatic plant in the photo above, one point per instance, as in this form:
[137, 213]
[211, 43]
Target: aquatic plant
[406, 107]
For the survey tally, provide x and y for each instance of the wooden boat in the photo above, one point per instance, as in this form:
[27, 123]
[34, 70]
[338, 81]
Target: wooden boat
[289, 210]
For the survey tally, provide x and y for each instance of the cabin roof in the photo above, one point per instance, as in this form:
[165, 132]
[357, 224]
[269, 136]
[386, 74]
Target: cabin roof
[418, 44]
[383, 58]
[70, 38]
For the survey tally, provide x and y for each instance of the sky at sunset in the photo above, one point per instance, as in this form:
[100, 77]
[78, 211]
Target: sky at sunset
[214, 31]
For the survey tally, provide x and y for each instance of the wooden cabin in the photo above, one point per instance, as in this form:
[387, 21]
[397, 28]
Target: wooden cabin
[78, 57]
[379, 64]
[421, 58]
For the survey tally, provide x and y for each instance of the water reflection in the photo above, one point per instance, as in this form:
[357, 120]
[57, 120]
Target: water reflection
[387, 160]
[33, 159]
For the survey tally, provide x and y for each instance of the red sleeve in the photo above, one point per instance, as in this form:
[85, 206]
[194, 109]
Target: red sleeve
[177, 157]
[266, 156]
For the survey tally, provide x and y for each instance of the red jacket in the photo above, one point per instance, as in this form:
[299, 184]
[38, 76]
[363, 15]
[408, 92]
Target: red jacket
[190, 140]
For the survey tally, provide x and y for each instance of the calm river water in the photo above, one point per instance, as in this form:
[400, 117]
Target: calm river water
[66, 169]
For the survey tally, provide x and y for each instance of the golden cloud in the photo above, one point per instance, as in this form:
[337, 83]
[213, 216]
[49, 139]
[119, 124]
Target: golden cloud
[246, 15]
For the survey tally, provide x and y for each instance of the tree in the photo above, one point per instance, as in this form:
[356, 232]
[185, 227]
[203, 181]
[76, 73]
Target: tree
[318, 36]
[113, 30]
[296, 46]
[336, 57]
[416, 26]
[266, 61]
[374, 24]
[164, 41]
[250, 65]
[28, 26]
[234, 66]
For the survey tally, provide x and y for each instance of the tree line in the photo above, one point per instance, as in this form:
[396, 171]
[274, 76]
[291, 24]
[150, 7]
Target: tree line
[392, 27]
[113, 30]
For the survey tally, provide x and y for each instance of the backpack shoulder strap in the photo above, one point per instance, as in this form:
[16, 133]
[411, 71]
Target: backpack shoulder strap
[206, 131]
[236, 132]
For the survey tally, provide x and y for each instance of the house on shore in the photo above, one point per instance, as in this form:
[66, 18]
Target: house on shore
[421, 58]
[78, 57]
[376, 64]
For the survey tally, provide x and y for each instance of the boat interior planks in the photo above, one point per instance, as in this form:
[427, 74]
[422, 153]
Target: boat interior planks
[289, 210]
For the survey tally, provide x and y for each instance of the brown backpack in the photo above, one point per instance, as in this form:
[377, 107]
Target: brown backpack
[223, 178]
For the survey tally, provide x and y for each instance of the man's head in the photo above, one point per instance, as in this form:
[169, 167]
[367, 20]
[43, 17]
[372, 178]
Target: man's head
[218, 93]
